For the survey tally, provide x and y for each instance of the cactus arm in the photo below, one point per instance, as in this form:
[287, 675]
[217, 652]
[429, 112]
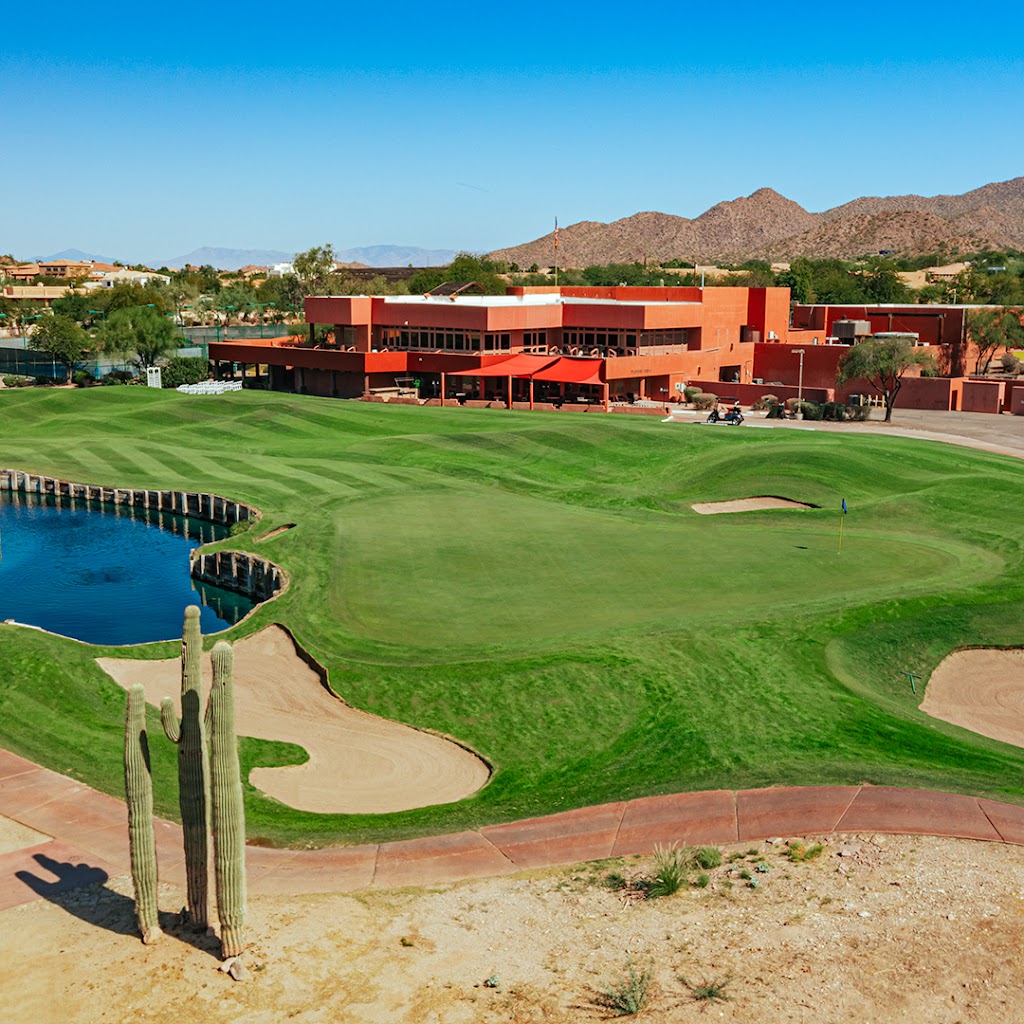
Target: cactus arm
[138, 784]
[228, 807]
[169, 720]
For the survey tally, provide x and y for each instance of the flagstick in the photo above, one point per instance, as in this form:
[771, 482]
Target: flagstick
[556, 252]
[842, 516]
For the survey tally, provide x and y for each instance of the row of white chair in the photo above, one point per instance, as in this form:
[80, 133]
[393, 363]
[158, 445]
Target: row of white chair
[210, 387]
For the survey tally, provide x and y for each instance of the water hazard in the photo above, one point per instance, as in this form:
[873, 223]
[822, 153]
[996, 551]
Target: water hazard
[106, 574]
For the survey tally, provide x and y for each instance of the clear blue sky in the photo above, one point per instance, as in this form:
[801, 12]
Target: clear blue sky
[142, 131]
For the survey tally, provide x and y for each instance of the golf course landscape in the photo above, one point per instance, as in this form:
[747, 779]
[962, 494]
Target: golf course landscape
[538, 587]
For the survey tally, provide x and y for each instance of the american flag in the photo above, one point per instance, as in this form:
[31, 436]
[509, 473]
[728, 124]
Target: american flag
[556, 232]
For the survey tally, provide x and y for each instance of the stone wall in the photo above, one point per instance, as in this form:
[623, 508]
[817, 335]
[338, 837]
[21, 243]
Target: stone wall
[243, 573]
[209, 507]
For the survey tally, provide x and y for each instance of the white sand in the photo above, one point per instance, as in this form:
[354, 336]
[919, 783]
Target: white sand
[358, 763]
[711, 508]
[980, 690]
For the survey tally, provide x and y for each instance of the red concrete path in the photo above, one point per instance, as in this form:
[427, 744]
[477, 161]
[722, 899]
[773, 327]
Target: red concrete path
[90, 835]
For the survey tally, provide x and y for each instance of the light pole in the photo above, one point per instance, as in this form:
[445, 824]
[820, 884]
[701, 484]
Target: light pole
[800, 382]
[261, 305]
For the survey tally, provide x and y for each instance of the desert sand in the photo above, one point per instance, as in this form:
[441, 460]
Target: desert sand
[711, 508]
[358, 763]
[981, 690]
[877, 929]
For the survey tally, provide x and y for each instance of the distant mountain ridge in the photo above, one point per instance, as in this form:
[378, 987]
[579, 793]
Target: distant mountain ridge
[767, 225]
[371, 256]
[77, 254]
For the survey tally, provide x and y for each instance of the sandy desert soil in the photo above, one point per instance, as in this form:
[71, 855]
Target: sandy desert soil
[981, 690]
[710, 508]
[358, 763]
[876, 929]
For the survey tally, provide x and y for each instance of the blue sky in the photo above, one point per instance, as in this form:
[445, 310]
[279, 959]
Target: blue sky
[143, 131]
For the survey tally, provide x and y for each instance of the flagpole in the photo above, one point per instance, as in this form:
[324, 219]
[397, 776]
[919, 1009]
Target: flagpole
[841, 518]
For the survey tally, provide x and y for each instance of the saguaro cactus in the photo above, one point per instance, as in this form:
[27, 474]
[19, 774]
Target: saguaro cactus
[228, 809]
[193, 778]
[138, 786]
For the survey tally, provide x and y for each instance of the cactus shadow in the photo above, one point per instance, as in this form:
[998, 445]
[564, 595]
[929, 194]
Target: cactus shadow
[80, 890]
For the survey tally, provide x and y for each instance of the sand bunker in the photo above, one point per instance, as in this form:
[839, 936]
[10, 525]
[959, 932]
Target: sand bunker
[982, 691]
[711, 508]
[358, 763]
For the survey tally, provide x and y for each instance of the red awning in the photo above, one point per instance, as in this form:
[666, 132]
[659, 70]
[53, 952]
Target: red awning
[573, 371]
[515, 366]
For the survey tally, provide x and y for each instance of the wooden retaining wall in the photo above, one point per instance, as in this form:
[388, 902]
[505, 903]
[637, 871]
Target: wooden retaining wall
[243, 573]
[209, 507]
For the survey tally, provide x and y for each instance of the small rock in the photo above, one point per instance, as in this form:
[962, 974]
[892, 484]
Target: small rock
[238, 971]
[864, 913]
[773, 842]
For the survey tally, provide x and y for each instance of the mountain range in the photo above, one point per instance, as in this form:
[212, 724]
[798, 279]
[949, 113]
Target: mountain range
[370, 255]
[767, 225]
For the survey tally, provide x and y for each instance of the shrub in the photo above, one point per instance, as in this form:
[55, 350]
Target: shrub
[765, 402]
[705, 400]
[627, 996]
[859, 413]
[702, 880]
[792, 404]
[811, 410]
[798, 853]
[710, 991]
[18, 382]
[82, 378]
[184, 370]
[42, 381]
[690, 393]
[1010, 363]
[707, 857]
[671, 868]
[835, 411]
[117, 377]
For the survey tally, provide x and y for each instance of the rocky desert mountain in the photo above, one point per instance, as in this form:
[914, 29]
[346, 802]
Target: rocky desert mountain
[766, 225]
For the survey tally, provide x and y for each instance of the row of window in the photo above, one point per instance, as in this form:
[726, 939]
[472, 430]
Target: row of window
[439, 339]
[433, 339]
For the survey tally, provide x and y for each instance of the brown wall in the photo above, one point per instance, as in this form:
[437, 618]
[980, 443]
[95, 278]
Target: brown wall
[982, 396]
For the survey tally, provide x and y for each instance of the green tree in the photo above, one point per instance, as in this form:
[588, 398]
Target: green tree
[73, 305]
[139, 333]
[466, 266]
[315, 269]
[883, 283]
[991, 329]
[236, 299]
[883, 362]
[61, 339]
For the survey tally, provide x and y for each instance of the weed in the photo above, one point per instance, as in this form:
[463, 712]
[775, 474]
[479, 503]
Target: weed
[707, 857]
[627, 996]
[702, 880]
[754, 883]
[615, 880]
[762, 868]
[733, 857]
[798, 853]
[752, 852]
[746, 875]
[671, 867]
[405, 942]
[710, 991]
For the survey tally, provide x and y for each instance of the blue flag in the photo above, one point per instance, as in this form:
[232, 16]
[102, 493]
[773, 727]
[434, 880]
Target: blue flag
[844, 506]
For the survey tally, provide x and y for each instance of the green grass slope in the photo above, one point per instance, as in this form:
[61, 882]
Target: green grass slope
[538, 586]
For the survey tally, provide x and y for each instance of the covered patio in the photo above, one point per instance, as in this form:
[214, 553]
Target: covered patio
[530, 378]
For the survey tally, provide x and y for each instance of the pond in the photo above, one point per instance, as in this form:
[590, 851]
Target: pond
[105, 574]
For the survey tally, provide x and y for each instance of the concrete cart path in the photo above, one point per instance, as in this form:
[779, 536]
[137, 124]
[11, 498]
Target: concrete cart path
[84, 835]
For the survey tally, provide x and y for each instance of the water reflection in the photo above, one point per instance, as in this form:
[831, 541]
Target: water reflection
[106, 574]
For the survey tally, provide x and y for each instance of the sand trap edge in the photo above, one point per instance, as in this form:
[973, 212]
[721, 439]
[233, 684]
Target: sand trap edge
[758, 503]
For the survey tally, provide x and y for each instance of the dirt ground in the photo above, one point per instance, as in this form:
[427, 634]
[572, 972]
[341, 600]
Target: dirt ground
[358, 763]
[876, 929]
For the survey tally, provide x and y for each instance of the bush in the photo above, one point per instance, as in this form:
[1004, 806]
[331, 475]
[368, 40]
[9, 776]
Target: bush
[117, 377]
[1010, 363]
[707, 857]
[627, 996]
[792, 404]
[82, 378]
[705, 400]
[837, 411]
[671, 868]
[765, 402]
[811, 410]
[184, 370]
[690, 393]
[18, 382]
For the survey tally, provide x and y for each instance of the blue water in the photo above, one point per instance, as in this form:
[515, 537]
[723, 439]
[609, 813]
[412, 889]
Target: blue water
[105, 574]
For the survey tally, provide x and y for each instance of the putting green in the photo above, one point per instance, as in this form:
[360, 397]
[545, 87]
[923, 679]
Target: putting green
[437, 569]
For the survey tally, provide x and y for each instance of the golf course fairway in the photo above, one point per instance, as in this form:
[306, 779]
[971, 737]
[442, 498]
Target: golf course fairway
[538, 587]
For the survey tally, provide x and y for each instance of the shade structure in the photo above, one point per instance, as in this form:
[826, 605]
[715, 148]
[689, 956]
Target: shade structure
[572, 371]
[523, 365]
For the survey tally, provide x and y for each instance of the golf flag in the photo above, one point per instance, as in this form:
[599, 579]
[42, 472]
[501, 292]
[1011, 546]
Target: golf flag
[844, 506]
[841, 527]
